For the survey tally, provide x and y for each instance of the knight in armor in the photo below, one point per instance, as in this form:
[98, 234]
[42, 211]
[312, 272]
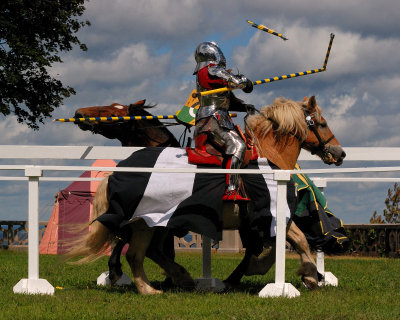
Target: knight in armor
[212, 118]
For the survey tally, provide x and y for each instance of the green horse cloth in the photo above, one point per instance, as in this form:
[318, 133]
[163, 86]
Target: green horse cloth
[323, 230]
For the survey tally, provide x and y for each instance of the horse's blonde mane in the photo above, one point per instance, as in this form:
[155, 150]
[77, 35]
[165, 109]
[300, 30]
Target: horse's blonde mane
[284, 116]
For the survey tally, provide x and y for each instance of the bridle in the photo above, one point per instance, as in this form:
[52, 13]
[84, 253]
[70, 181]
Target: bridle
[313, 126]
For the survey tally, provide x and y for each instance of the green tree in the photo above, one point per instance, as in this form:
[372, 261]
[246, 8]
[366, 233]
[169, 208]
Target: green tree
[392, 212]
[32, 35]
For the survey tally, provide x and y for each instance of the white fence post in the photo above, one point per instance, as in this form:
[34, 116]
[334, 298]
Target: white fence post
[33, 285]
[280, 288]
[328, 278]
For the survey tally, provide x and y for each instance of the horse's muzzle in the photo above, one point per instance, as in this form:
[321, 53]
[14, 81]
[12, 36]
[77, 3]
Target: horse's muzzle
[334, 154]
[83, 125]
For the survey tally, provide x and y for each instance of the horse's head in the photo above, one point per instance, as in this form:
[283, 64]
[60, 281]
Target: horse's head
[320, 139]
[105, 128]
[139, 133]
[283, 128]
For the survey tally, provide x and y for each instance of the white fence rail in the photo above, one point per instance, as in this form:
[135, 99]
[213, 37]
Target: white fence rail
[101, 152]
[34, 173]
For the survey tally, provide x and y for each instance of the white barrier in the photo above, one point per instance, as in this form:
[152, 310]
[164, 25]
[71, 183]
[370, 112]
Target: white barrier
[33, 174]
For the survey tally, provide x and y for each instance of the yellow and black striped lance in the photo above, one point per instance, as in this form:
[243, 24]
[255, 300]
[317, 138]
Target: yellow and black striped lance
[129, 118]
[266, 29]
[108, 119]
[276, 78]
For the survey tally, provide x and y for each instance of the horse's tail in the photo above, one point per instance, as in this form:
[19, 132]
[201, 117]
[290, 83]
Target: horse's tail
[94, 243]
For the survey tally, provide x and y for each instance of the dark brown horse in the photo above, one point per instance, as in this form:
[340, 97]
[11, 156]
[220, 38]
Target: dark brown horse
[133, 133]
[330, 152]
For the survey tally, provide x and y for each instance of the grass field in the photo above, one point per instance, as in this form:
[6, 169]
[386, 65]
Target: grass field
[368, 289]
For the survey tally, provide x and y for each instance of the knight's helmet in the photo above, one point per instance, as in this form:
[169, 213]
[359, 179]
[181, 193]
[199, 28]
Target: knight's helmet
[206, 53]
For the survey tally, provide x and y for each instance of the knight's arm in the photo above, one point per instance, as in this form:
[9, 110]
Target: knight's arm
[237, 104]
[234, 81]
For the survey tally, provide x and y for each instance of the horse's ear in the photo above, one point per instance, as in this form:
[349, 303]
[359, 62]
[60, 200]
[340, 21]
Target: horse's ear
[312, 104]
[137, 104]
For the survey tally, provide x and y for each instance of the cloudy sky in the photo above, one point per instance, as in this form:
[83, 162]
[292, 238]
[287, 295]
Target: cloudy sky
[143, 49]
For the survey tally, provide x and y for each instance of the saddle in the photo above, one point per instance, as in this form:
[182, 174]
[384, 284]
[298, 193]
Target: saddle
[205, 153]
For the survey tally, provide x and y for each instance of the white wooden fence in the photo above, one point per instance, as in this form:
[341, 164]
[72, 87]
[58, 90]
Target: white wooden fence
[34, 173]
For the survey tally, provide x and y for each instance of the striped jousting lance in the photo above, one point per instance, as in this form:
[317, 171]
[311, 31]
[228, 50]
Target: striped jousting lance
[127, 118]
[286, 76]
[104, 119]
[266, 29]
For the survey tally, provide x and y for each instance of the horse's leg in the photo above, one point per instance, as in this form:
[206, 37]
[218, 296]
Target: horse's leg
[308, 268]
[260, 265]
[139, 243]
[114, 262]
[237, 274]
[253, 263]
[253, 249]
[160, 252]
[167, 248]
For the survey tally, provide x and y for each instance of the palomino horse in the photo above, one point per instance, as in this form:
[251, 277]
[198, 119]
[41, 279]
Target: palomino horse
[278, 147]
[286, 125]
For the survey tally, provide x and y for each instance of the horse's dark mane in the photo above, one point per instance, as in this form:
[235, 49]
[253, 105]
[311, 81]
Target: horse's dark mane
[148, 106]
[145, 106]
[140, 110]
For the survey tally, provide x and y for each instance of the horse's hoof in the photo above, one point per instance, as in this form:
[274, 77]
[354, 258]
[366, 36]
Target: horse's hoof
[150, 292]
[113, 278]
[157, 292]
[187, 285]
[230, 285]
[167, 283]
[310, 283]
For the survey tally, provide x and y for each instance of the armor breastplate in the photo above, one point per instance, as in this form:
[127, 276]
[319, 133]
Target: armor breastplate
[211, 103]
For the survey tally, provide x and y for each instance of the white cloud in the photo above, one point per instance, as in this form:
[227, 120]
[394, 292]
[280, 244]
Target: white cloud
[342, 105]
[351, 55]
[126, 64]
[51, 133]
[355, 131]
[11, 131]
[125, 21]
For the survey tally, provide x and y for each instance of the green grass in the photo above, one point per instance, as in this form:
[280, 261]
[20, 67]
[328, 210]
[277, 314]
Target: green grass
[368, 289]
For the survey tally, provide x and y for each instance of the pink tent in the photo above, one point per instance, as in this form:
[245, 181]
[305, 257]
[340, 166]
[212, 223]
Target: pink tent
[73, 206]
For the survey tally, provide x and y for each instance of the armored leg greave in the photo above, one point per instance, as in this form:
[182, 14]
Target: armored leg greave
[233, 180]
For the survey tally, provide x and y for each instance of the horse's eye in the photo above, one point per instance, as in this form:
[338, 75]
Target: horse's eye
[323, 124]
